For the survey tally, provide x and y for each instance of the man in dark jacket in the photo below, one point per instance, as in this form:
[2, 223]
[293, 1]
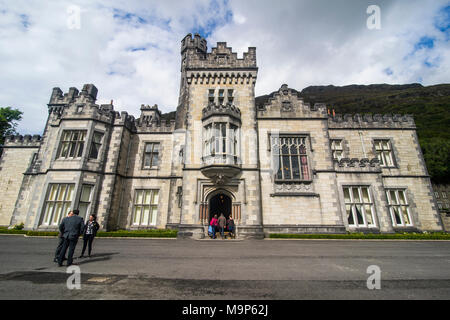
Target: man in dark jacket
[71, 228]
[60, 242]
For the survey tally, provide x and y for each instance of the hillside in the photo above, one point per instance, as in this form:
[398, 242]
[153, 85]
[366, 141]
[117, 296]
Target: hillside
[429, 105]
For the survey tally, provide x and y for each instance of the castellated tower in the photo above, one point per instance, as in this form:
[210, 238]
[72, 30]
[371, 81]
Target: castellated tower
[217, 113]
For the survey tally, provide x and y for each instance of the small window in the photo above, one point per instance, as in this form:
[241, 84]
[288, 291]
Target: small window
[359, 206]
[230, 96]
[72, 144]
[96, 144]
[398, 207]
[80, 108]
[221, 96]
[336, 149]
[444, 195]
[436, 194]
[383, 151]
[211, 95]
[145, 207]
[151, 155]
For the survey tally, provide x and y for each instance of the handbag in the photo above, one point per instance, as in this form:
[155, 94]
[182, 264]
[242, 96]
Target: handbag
[210, 229]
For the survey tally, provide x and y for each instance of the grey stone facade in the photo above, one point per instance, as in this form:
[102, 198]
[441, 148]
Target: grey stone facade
[222, 153]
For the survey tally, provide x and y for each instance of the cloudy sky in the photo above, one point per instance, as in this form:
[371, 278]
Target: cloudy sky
[130, 49]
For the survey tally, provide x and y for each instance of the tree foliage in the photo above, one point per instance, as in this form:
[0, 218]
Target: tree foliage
[8, 122]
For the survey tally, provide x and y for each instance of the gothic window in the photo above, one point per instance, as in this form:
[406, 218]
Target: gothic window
[383, 151]
[290, 158]
[57, 203]
[72, 144]
[337, 149]
[398, 207]
[145, 207]
[96, 144]
[359, 206]
[151, 155]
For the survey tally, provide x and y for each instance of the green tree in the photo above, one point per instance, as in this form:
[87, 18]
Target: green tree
[437, 157]
[8, 122]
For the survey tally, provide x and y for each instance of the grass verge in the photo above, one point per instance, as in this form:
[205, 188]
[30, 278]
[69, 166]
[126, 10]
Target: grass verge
[393, 236]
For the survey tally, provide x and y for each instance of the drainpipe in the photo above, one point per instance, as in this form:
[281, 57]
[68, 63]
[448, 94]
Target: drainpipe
[362, 143]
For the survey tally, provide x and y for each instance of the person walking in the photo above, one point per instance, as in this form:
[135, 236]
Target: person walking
[213, 223]
[230, 226]
[90, 231]
[71, 228]
[222, 221]
[60, 243]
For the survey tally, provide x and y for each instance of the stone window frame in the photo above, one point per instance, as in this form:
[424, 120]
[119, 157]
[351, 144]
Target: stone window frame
[394, 152]
[133, 204]
[375, 224]
[345, 147]
[408, 206]
[41, 220]
[160, 149]
[60, 143]
[309, 151]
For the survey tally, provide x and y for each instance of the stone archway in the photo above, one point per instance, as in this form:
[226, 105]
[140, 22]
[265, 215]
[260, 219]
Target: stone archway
[219, 203]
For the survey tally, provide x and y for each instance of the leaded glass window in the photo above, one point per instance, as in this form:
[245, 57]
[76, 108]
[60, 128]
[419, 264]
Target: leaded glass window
[290, 158]
[151, 155]
[72, 144]
[383, 151]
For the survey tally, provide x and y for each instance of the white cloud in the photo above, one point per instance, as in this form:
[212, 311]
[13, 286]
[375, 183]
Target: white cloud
[130, 49]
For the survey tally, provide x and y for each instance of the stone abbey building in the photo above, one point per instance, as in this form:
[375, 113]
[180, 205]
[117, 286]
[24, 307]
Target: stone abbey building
[277, 166]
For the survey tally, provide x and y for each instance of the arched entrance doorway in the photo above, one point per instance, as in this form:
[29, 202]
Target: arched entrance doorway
[219, 203]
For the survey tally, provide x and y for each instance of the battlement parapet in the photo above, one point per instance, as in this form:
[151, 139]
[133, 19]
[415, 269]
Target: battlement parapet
[23, 141]
[368, 121]
[195, 56]
[357, 165]
[285, 103]
[87, 94]
[196, 42]
[124, 119]
[161, 126]
[227, 109]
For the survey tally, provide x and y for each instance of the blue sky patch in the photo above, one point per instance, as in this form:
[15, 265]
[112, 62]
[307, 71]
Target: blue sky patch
[388, 71]
[217, 18]
[442, 21]
[424, 42]
[24, 20]
[140, 20]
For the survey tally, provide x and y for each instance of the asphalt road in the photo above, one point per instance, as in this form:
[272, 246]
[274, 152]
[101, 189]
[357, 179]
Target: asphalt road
[260, 269]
